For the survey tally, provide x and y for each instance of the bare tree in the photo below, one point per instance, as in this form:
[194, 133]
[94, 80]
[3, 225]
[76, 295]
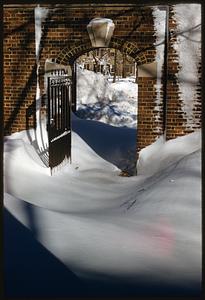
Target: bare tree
[115, 66]
[123, 65]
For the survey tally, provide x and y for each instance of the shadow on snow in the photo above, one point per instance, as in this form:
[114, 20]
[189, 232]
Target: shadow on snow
[116, 145]
[30, 270]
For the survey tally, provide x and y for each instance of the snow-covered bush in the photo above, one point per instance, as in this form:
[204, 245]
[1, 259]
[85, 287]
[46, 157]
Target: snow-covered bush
[101, 100]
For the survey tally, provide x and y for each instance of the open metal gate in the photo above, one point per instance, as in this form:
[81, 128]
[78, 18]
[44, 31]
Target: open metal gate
[59, 119]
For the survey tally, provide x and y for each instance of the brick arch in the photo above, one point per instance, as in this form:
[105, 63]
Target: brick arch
[147, 130]
[69, 54]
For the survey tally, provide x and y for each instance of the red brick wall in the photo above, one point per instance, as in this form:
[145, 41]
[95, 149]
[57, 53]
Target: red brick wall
[134, 34]
[176, 124]
[63, 27]
[19, 69]
[64, 38]
[174, 117]
[148, 129]
[198, 104]
[65, 32]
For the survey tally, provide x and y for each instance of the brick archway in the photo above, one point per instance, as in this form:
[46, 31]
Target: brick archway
[69, 54]
[146, 86]
[64, 38]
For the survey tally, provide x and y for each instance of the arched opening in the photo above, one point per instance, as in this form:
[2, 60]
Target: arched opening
[124, 152]
[106, 97]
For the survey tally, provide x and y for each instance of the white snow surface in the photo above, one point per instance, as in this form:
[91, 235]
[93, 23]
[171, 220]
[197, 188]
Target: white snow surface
[111, 103]
[100, 224]
[150, 161]
[188, 47]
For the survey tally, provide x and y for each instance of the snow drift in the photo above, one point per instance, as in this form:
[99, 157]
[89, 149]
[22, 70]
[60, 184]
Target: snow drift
[111, 103]
[144, 231]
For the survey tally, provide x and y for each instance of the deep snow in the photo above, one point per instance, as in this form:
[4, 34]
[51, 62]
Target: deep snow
[143, 231]
[114, 105]
[88, 231]
[111, 103]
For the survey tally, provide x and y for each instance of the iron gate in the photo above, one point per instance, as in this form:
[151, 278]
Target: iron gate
[59, 119]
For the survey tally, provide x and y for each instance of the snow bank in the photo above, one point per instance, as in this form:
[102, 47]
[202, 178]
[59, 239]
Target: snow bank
[143, 230]
[111, 103]
[161, 154]
[116, 145]
[24, 168]
[91, 87]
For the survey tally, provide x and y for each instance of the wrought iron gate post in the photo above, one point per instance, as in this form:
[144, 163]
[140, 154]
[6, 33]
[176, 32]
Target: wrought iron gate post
[59, 119]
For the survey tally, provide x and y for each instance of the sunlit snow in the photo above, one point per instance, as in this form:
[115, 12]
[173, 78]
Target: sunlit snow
[111, 103]
[106, 227]
[86, 225]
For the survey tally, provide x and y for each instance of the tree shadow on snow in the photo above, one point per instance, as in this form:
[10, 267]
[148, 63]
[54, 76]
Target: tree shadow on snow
[30, 270]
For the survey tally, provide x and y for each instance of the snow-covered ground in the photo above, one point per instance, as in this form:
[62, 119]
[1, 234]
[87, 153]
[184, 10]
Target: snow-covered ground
[111, 103]
[86, 224]
[86, 231]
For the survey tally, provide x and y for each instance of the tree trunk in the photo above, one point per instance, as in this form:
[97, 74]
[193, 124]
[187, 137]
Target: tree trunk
[115, 66]
[136, 73]
[96, 62]
[124, 65]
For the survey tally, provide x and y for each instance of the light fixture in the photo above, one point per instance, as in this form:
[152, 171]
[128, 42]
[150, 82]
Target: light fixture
[100, 31]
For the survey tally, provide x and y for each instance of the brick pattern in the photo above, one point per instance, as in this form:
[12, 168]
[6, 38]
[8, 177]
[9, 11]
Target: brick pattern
[134, 34]
[65, 35]
[69, 54]
[19, 70]
[198, 104]
[176, 124]
[174, 117]
[147, 129]
[64, 38]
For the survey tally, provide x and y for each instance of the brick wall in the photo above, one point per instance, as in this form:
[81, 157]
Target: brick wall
[176, 123]
[64, 38]
[147, 126]
[174, 117]
[134, 34]
[198, 104]
[19, 69]
[65, 35]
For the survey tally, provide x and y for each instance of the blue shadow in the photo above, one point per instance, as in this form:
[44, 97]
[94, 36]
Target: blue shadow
[114, 144]
[30, 270]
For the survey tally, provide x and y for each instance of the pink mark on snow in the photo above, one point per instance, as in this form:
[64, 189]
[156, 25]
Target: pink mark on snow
[161, 236]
